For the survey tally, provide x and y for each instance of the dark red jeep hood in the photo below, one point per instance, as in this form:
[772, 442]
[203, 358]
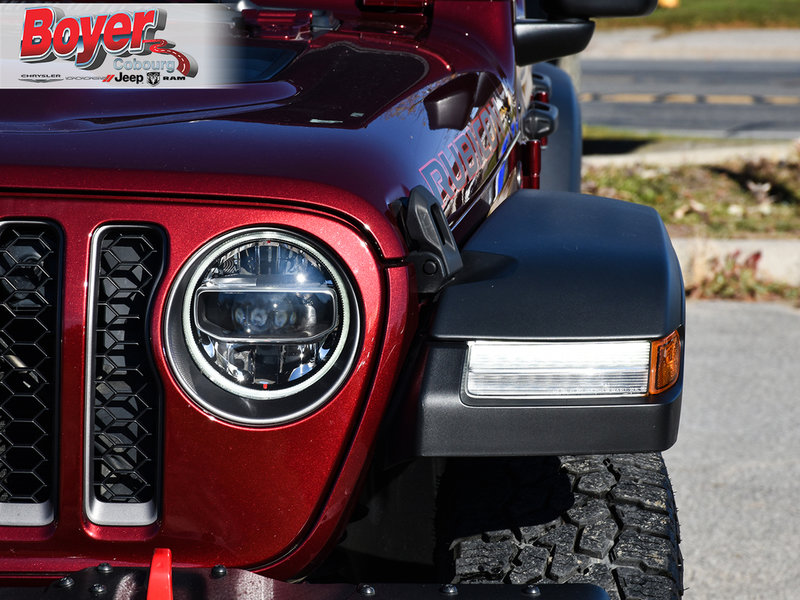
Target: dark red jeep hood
[348, 111]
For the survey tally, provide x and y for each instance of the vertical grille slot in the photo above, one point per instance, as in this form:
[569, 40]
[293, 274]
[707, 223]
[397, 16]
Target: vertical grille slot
[30, 309]
[124, 391]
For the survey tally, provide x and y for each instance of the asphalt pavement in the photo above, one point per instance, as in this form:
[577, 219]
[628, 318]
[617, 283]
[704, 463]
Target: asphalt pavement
[723, 84]
[735, 468]
[694, 98]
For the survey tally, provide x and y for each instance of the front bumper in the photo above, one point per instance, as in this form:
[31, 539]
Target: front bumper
[105, 583]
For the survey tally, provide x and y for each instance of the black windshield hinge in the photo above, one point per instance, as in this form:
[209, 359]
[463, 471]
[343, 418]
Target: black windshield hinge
[432, 248]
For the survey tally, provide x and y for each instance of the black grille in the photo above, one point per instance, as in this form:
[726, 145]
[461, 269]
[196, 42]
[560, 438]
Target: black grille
[127, 393]
[29, 324]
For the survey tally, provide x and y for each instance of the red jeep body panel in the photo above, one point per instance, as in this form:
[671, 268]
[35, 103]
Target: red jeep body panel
[230, 494]
[198, 164]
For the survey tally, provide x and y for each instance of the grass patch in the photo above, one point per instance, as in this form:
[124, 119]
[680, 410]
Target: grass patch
[714, 14]
[737, 278]
[736, 200]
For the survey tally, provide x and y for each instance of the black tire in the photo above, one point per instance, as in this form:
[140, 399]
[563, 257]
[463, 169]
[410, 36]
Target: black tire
[608, 520]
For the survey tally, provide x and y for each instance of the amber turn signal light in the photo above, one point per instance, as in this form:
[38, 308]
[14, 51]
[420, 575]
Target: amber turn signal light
[665, 362]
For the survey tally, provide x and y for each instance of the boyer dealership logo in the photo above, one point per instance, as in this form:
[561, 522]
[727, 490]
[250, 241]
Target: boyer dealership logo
[47, 34]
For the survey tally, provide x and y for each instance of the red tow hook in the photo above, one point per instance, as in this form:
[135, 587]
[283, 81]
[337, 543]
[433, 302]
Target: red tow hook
[159, 586]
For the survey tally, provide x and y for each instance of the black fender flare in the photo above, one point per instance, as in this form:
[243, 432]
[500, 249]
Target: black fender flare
[561, 160]
[550, 267]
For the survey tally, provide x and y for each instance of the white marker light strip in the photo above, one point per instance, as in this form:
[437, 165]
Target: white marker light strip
[557, 370]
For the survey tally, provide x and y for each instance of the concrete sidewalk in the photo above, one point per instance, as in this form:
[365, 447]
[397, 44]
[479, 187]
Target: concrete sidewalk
[690, 152]
[728, 44]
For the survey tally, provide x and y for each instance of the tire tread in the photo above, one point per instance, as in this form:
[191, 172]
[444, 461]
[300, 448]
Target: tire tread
[607, 519]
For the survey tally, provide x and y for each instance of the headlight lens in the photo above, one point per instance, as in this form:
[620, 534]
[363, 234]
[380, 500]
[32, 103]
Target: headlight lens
[266, 316]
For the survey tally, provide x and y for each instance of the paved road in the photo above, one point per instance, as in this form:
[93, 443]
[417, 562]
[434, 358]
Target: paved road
[736, 466]
[732, 78]
[719, 98]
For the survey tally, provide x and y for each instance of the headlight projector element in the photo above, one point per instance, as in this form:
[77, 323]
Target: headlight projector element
[262, 326]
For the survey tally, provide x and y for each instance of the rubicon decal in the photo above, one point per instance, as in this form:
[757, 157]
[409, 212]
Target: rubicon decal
[82, 44]
[48, 34]
[473, 152]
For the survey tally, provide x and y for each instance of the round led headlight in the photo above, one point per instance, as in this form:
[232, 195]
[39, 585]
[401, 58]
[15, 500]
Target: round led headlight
[261, 326]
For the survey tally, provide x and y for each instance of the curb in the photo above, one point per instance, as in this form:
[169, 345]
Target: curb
[697, 156]
[780, 259]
